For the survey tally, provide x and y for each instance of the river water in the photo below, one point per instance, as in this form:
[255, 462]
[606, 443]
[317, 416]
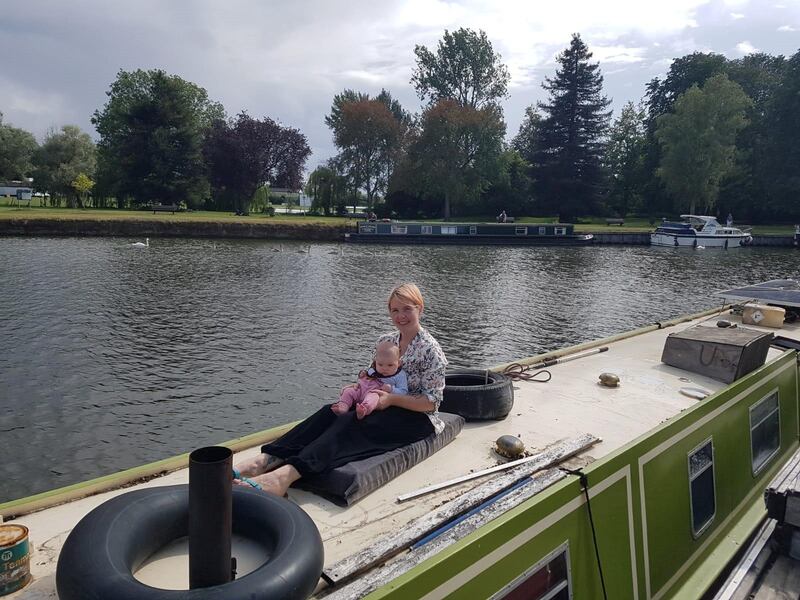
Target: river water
[113, 356]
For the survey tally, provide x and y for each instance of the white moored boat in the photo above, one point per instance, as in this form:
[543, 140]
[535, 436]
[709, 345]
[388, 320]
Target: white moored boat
[698, 230]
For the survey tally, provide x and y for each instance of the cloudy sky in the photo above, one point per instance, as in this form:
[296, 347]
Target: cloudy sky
[286, 60]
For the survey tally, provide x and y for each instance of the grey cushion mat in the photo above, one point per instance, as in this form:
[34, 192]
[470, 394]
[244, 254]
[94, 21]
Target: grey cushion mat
[351, 482]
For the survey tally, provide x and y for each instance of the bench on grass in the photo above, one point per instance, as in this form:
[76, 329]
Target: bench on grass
[164, 208]
[619, 222]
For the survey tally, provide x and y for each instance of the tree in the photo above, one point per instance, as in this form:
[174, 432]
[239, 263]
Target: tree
[684, 72]
[781, 132]
[405, 121]
[17, 148]
[526, 141]
[465, 68]
[456, 153]
[568, 170]
[510, 190]
[82, 185]
[699, 139]
[624, 159]
[368, 136]
[753, 174]
[328, 189]
[152, 131]
[64, 156]
[246, 153]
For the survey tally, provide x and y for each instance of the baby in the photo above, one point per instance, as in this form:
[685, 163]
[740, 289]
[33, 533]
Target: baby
[384, 374]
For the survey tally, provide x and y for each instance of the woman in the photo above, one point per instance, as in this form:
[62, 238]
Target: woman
[326, 440]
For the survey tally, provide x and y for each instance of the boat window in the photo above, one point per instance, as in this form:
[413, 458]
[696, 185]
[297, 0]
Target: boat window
[402, 229]
[521, 230]
[549, 579]
[427, 229]
[449, 229]
[542, 230]
[765, 430]
[561, 230]
[473, 230]
[701, 487]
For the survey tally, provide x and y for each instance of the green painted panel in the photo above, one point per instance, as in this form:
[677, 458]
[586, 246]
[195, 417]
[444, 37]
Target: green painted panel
[512, 544]
[670, 540]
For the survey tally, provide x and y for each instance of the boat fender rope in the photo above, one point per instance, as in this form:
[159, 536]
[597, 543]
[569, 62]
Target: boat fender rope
[584, 480]
[517, 371]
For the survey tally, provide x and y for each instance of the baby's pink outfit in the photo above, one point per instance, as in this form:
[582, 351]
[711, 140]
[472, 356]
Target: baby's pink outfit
[365, 392]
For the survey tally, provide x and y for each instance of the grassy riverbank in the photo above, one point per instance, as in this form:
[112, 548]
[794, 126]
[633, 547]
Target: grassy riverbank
[596, 225]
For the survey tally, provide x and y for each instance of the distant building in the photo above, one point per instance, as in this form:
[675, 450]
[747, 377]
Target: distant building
[9, 188]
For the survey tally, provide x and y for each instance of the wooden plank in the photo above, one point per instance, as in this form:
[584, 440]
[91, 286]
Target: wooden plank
[379, 577]
[388, 546]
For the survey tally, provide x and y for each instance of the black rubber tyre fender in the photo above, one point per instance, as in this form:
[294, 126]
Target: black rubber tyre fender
[477, 394]
[109, 544]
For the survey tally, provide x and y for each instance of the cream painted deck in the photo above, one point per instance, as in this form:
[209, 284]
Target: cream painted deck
[572, 403]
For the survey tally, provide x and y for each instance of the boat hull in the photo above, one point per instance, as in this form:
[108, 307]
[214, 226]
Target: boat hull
[693, 241]
[477, 240]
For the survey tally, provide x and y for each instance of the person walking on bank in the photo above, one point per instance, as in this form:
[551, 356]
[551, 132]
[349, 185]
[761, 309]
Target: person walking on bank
[326, 440]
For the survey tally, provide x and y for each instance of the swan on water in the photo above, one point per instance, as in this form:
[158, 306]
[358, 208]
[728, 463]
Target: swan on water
[141, 245]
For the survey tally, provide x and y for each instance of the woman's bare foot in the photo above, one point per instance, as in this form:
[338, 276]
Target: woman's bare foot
[276, 482]
[258, 465]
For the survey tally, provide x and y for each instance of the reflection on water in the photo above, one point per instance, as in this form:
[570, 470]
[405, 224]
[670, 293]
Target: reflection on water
[115, 356]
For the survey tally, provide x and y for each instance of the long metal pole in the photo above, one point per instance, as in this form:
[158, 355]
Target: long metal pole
[557, 361]
[210, 516]
[451, 482]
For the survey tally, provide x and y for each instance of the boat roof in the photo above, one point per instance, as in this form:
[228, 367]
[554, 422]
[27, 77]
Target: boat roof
[571, 404]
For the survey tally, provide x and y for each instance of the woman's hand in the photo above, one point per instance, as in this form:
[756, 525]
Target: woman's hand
[384, 399]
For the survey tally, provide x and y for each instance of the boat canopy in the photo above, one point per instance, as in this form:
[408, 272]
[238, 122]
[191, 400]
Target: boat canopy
[709, 224]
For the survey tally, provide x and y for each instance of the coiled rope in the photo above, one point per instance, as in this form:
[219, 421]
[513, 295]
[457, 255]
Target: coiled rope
[519, 372]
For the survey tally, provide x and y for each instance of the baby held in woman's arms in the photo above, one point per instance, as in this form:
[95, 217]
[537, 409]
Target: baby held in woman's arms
[385, 374]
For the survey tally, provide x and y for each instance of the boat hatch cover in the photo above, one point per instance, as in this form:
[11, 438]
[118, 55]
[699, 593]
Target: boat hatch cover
[783, 292]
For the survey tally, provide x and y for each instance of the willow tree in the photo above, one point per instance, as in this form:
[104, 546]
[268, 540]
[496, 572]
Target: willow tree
[698, 142]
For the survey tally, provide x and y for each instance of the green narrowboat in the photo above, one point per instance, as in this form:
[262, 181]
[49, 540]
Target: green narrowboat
[516, 234]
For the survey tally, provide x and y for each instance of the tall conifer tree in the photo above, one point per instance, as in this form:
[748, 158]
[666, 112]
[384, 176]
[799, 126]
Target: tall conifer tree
[568, 170]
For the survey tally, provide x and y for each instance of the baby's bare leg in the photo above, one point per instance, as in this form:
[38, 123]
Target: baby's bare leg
[346, 400]
[367, 405]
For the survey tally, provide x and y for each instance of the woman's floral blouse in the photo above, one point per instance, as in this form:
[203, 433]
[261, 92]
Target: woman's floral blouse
[424, 362]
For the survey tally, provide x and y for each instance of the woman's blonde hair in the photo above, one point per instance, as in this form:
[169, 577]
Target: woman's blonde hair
[407, 292]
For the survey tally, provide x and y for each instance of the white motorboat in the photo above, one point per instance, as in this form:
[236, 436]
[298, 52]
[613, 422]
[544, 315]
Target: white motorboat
[699, 231]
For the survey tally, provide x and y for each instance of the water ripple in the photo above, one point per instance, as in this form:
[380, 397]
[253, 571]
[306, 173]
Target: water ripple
[114, 356]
